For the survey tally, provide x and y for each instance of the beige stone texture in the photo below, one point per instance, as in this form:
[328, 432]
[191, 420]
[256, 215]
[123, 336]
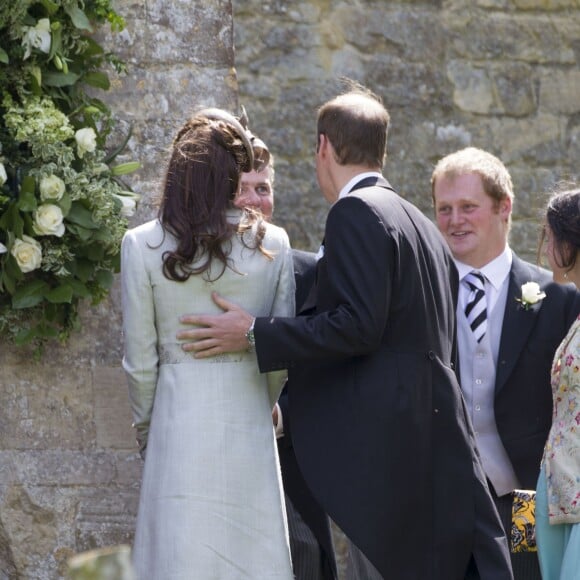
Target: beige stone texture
[497, 74]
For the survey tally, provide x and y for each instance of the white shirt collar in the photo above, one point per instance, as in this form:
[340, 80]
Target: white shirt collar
[495, 271]
[344, 191]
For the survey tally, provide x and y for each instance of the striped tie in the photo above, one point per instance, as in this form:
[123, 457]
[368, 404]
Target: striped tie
[476, 309]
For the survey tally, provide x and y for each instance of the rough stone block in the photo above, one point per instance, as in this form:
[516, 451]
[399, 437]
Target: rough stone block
[560, 91]
[473, 89]
[112, 412]
[46, 407]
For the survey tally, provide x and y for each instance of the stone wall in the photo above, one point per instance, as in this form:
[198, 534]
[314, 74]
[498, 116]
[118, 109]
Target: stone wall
[502, 75]
[499, 74]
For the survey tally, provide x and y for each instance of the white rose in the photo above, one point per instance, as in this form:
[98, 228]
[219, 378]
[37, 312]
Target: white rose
[3, 249]
[27, 252]
[51, 187]
[86, 140]
[531, 293]
[37, 37]
[3, 176]
[48, 220]
[129, 205]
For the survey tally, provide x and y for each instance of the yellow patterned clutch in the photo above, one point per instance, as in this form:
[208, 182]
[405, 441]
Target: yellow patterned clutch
[523, 533]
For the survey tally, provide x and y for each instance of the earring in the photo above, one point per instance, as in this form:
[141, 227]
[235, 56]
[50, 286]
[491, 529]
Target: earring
[565, 275]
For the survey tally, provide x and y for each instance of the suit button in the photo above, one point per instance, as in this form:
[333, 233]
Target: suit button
[431, 355]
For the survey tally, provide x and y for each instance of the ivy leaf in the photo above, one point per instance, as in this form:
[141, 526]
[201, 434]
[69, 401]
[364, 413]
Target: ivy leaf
[95, 253]
[98, 79]
[11, 274]
[60, 79]
[25, 335]
[29, 295]
[82, 216]
[50, 6]
[60, 294]
[12, 221]
[4, 56]
[105, 278]
[65, 204]
[78, 17]
[83, 269]
[78, 288]
[27, 199]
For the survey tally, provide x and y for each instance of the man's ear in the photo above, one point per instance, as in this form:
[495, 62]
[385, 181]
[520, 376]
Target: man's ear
[505, 207]
[322, 143]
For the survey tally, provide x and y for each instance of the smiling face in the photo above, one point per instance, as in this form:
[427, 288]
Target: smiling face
[256, 192]
[473, 224]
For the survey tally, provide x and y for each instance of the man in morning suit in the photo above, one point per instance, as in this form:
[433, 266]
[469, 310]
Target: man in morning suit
[506, 356]
[378, 421]
[309, 527]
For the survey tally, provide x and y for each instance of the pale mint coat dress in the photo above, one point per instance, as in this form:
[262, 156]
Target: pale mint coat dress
[211, 504]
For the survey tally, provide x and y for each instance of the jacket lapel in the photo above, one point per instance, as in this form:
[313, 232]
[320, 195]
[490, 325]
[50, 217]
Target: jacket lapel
[517, 321]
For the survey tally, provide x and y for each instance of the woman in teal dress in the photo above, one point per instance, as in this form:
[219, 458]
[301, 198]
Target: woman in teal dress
[558, 489]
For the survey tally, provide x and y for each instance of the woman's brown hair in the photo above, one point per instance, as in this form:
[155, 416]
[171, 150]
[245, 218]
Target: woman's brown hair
[207, 158]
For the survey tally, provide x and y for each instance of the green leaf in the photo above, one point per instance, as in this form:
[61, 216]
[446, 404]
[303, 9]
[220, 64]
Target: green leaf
[7, 281]
[36, 79]
[82, 216]
[83, 269]
[98, 79]
[79, 289]
[95, 253]
[102, 235]
[78, 17]
[61, 294]
[29, 295]
[50, 7]
[65, 204]
[25, 336]
[92, 48]
[46, 331]
[55, 43]
[124, 168]
[60, 79]
[4, 56]
[105, 278]
[12, 221]
[27, 198]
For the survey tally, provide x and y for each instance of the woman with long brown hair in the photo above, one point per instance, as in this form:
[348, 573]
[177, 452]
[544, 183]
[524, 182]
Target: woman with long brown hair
[211, 505]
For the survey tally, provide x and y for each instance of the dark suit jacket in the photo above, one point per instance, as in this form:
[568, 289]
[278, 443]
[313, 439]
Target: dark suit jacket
[378, 421]
[523, 395]
[294, 485]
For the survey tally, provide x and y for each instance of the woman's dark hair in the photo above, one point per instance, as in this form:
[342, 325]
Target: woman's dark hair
[207, 158]
[563, 219]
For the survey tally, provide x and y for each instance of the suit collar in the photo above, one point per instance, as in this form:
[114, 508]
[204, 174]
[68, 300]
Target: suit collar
[517, 321]
[366, 179]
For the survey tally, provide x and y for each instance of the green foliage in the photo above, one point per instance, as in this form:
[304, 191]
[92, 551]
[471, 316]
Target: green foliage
[63, 208]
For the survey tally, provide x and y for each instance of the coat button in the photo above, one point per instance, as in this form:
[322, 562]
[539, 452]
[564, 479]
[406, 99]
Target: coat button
[431, 355]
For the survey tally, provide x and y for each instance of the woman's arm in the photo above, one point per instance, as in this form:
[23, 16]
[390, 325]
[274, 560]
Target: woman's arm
[140, 360]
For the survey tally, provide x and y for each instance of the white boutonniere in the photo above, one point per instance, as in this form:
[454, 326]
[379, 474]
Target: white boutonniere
[531, 294]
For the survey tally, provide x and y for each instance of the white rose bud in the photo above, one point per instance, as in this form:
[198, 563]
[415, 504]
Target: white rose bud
[51, 187]
[86, 140]
[531, 293]
[48, 220]
[3, 249]
[3, 176]
[129, 205]
[28, 253]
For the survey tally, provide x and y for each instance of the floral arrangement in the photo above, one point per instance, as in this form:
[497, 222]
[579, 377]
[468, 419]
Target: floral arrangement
[531, 294]
[63, 205]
